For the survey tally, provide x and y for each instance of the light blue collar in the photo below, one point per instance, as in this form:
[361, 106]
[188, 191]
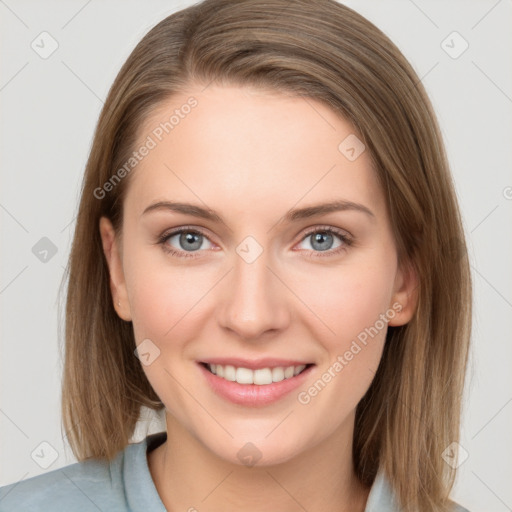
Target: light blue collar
[141, 492]
[381, 497]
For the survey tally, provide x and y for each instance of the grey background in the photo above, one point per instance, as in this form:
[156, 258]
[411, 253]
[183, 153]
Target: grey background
[49, 108]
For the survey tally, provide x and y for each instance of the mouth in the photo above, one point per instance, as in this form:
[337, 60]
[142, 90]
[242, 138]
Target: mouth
[266, 383]
[259, 377]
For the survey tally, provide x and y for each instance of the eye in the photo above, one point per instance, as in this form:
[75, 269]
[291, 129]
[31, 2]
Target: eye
[323, 240]
[183, 241]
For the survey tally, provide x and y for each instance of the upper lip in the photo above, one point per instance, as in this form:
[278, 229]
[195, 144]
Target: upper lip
[254, 364]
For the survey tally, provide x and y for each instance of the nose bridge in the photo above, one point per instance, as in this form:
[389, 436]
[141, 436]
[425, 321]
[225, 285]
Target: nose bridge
[255, 301]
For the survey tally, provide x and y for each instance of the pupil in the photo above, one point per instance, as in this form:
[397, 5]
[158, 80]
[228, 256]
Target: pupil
[190, 238]
[320, 238]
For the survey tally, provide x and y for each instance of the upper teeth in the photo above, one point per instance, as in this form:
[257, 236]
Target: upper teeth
[260, 377]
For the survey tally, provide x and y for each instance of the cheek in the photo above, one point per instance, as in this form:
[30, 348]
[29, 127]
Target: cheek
[162, 301]
[347, 300]
[149, 306]
[354, 302]
[162, 297]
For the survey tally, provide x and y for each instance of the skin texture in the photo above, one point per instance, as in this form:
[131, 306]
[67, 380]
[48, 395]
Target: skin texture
[251, 155]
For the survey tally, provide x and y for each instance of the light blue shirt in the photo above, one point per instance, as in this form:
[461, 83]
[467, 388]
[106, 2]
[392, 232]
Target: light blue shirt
[123, 485]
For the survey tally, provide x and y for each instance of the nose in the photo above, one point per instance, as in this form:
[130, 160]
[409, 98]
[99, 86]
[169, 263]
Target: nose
[254, 301]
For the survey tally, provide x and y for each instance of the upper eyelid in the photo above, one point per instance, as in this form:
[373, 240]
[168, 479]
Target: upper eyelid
[319, 228]
[184, 229]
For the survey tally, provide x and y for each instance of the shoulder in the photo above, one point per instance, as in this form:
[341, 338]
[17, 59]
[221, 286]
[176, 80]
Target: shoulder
[121, 485]
[88, 485]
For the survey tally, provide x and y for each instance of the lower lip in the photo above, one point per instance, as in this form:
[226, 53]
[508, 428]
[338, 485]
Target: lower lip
[253, 395]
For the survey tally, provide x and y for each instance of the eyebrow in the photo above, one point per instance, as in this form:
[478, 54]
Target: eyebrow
[291, 215]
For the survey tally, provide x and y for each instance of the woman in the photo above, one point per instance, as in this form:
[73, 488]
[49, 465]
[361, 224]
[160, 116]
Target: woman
[269, 249]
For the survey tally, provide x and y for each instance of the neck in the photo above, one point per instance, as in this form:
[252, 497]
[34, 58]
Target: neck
[188, 476]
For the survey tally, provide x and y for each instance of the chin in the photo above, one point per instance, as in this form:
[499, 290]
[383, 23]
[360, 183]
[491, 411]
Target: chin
[257, 452]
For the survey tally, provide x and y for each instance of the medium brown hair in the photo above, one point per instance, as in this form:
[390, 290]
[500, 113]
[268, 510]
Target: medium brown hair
[317, 49]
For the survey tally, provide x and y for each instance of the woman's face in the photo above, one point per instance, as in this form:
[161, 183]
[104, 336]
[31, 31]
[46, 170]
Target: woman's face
[261, 277]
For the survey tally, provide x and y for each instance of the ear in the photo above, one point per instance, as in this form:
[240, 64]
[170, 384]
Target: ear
[112, 251]
[405, 296]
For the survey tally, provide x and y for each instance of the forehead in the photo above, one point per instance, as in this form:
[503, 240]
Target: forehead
[247, 147]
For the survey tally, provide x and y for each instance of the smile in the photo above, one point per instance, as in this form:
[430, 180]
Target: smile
[260, 377]
[255, 387]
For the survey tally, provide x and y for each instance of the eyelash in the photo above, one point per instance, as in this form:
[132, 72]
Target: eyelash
[346, 240]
